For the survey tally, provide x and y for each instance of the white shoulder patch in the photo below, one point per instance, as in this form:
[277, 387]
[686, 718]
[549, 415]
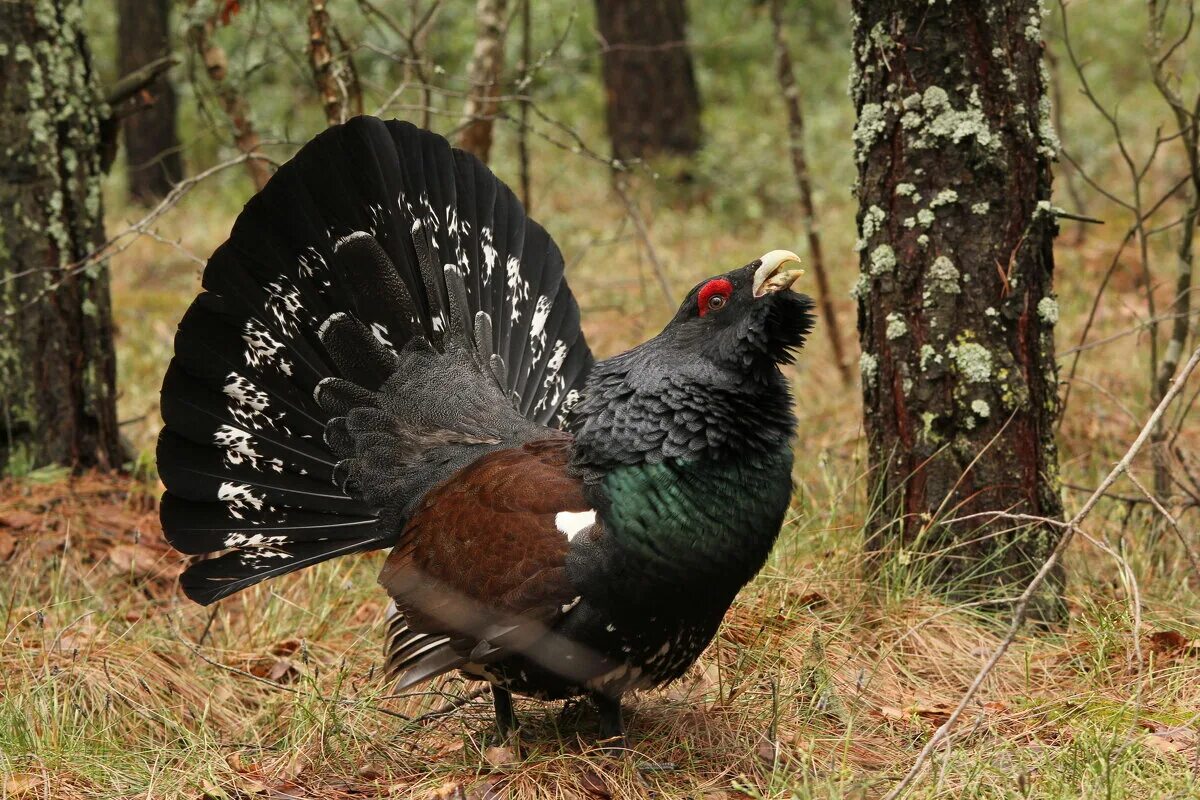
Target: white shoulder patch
[572, 522]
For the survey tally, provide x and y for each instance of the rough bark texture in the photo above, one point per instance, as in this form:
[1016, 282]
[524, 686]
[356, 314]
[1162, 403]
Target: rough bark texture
[151, 139]
[956, 315]
[57, 369]
[487, 61]
[653, 105]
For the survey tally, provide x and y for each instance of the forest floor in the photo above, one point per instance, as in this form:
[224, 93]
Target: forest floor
[819, 684]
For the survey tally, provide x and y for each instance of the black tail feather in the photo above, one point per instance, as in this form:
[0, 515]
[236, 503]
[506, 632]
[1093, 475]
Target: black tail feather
[376, 238]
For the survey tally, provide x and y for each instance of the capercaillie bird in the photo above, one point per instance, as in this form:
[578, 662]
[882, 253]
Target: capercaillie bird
[386, 354]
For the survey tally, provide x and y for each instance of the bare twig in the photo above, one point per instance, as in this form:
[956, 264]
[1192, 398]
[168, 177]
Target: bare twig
[336, 81]
[639, 224]
[785, 74]
[129, 85]
[1188, 126]
[233, 104]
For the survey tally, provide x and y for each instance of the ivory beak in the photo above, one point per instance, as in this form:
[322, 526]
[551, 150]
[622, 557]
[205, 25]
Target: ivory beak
[771, 277]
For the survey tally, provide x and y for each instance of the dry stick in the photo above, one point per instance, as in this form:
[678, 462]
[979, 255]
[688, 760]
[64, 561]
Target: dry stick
[1019, 614]
[786, 76]
[236, 109]
[413, 40]
[1188, 122]
[1193, 559]
[320, 58]
[635, 216]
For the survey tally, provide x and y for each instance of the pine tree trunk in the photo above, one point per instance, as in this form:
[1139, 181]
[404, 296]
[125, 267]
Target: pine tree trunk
[151, 140]
[956, 315]
[57, 368]
[653, 105]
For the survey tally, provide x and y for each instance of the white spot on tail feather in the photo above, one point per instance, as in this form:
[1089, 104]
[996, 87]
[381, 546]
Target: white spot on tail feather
[239, 449]
[537, 327]
[570, 523]
[262, 348]
[239, 497]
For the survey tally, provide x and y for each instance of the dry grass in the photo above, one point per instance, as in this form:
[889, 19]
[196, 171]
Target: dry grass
[819, 684]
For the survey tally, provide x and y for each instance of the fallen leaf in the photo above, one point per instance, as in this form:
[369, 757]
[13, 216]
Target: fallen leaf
[18, 520]
[21, 783]
[594, 784]
[500, 756]
[768, 750]
[1168, 740]
[136, 560]
[286, 647]
[371, 773]
[366, 612]
[813, 600]
[449, 791]
[7, 545]
[1166, 642]
[282, 670]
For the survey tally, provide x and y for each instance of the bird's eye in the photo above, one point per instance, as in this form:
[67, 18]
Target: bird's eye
[714, 295]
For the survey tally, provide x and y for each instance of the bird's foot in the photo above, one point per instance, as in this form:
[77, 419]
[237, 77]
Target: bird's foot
[612, 727]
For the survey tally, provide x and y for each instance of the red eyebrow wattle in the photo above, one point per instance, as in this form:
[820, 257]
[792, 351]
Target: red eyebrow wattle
[715, 286]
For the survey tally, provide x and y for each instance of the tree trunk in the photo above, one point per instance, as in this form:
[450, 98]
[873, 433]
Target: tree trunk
[483, 74]
[956, 315]
[151, 140]
[653, 105]
[57, 368]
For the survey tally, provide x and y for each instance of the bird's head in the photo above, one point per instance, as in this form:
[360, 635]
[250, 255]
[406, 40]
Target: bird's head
[709, 383]
[746, 318]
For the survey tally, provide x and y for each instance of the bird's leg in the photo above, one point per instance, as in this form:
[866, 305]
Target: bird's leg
[506, 718]
[612, 729]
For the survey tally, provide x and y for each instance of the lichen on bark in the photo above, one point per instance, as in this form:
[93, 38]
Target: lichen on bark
[56, 361]
[959, 386]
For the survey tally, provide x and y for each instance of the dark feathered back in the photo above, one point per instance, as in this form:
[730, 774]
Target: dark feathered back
[353, 251]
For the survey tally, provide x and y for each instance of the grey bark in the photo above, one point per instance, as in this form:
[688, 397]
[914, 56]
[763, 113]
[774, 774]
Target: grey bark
[956, 315]
[57, 367]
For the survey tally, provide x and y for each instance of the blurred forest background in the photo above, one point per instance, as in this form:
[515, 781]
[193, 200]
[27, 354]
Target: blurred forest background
[828, 678]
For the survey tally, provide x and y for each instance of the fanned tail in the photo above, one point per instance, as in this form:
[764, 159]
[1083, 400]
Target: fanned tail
[372, 253]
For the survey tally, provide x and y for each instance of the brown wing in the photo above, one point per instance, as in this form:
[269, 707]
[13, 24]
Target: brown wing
[481, 566]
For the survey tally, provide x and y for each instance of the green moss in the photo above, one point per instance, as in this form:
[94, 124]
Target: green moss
[980, 408]
[896, 326]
